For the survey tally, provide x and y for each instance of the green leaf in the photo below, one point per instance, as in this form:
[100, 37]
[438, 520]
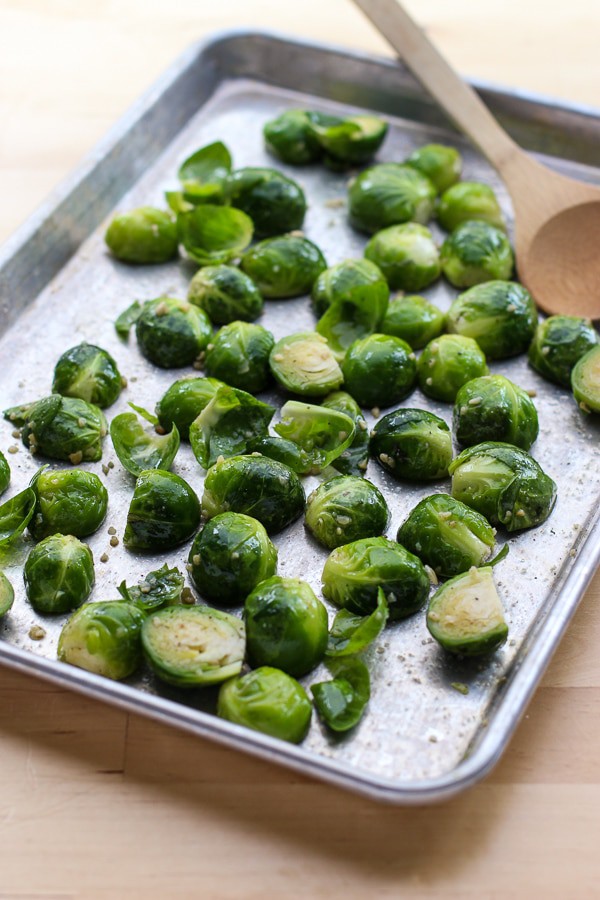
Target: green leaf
[15, 516]
[228, 424]
[207, 168]
[321, 432]
[148, 416]
[177, 202]
[140, 448]
[162, 587]
[214, 234]
[350, 633]
[128, 318]
[342, 701]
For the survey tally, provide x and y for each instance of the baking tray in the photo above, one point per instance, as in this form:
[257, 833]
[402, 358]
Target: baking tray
[421, 740]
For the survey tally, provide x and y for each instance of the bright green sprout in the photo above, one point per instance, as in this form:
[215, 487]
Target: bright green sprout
[389, 194]
[67, 501]
[441, 164]
[468, 201]
[500, 315]
[559, 342]
[214, 234]
[413, 319]
[89, 373]
[103, 638]
[356, 282]
[7, 595]
[345, 509]
[283, 267]
[476, 252]
[585, 381]
[304, 363]
[239, 355]
[465, 615]
[58, 574]
[204, 177]
[492, 408]
[447, 363]
[225, 294]
[145, 236]
[412, 444]
[379, 370]
[407, 255]
[267, 700]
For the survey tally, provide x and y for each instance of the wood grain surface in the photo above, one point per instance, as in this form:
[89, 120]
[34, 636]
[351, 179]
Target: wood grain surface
[96, 803]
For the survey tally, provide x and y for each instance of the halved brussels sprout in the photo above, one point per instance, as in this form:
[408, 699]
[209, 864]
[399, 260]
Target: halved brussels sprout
[341, 702]
[230, 556]
[412, 444]
[476, 252]
[255, 485]
[352, 141]
[352, 634]
[504, 484]
[276, 204]
[61, 428]
[465, 615]
[321, 432]
[145, 235]
[140, 448]
[172, 333]
[290, 136]
[67, 501]
[344, 509]
[389, 194]
[286, 626]
[469, 200]
[58, 574]
[239, 355]
[4, 473]
[354, 573]
[89, 373]
[352, 314]
[163, 513]
[163, 587]
[184, 401]
[214, 234]
[283, 267]
[304, 363]
[558, 343]
[15, 516]
[284, 451]
[354, 459]
[7, 594]
[441, 164]
[492, 408]
[447, 363]
[500, 315]
[414, 319]
[103, 638]
[227, 424]
[205, 174]
[355, 281]
[585, 381]
[379, 370]
[407, 255]
[267, 700]
[225, 294]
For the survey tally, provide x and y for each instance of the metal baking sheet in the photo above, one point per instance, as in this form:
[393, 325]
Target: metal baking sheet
[421, 739]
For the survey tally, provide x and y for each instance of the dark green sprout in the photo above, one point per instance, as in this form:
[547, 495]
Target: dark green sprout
[164, 512]
[163, 587]
[465, 615]
[352, 141]
[558, 343]
[103, 638]
[341, 702]
[183, 402]
[344, 509]
[15, 516]
[67, 501]
[228, 424]
[284, 451]
[389, 194]
[492, 408]
[225, 294]
[140, 448]
[290, 136]
[239, 355]
[447, 363]
[304, 363]
[89, 373]
[412, 444]
[7, 594]
[204, 175]
[585, 381]
[407, 255]
[352, 634]
[172, 333]
[267, 700]
[58, 574]
[321, 432]
[500, 315]
[467, 201]
[276, 204]
[352, 314]
[4, 473]
[354, 281]
[214, 234]
[441, 164]
[146, 235]
[283, 267]
[355, 458]
[379, 370]
[61, 428]
[414, 319]
[476, 252]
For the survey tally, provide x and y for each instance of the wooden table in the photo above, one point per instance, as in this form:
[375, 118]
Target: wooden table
[98, 803]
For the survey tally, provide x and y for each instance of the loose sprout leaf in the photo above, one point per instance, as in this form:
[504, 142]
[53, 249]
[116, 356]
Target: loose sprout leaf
[7, 594]
[342, 701]
[148, 416]
[283, 451]
[349, 319]
[162, 587]
[354, 460]
[4, 473]
[351, 634]
[205, 173]
[214, 234]
[322, 433]
[15, 515]
[502, 554]
[177, 202]
[140, 448]
[351, 141]
[128, 318]
[227, 425]
[18, 415]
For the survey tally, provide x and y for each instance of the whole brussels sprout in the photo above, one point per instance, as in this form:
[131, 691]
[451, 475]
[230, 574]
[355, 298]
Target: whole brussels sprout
[441, 164]
[68, 501]
[447, 363]
[412, 444]
[145, 235]
[304, 364]
[239, 355]
[379, 370]
[283, 267]
[322, 433]
[276, 204]
[58, 574]
[389, 194]
[61, 428]
[341, 702]
[225, 294]
[355, 458]
[465, 615]
[103, 638]
[558, 343]
[230, 556]
[172, 333]
[476, 252]
[414, 319]
[164, 512]
[4, 473]
[89, 373]
[355, 281]
[354, 573]
[500, 315]
[286, 626]
[504, 484]
[585, 381]
[447, 535]
[466, 201]
[352, 141]
[492, 408]
[214, 234]
[228, 424]
[7, 595]
[290, 136]
[344, 509]
[267, 700]
[406, 254]
[257, 486]
[184, 401]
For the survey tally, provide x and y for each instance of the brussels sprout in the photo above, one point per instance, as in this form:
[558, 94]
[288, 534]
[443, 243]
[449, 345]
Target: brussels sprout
[412, 444]
[61, 428]
[504, 484]
[303, 363]
[276, 204]
[103, 638]
[342, 701]
[465, 615]
[354, 459]
[172, 333]
[214, 234]
[469, 200]
[163, 587]
[352, 315]
[291, 138]
[67, 502]
[255, 485]
[447, 363]
[585, 381]
[4, 473]
[184, 401]
[345, 509]
[229, 557]
[379, 370]
[58, 574]
[558, 343]
[225, 294]
[15, 516]
[500, 315]
[354, 573]
[352, 634]
[492, 408]
[7, 594]
[441, 164]
[267, 700]
[286, 626]
[352, 141]
[284, 266]
[414, 319]
[227, 424]
[145, 235]
[205, 175]
[239, 355]
[354, 281]
[89, 373]
[389, 194]
[284, 451]
[476, 252]
[406, 254]
[322, 433]
[140, 448]
[164, 512]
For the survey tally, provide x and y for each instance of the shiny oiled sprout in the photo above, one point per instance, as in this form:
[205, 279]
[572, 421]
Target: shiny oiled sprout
[559, 342]
[214, 234]
[353, 315]
[283, 267]
[341, 702]
[162, 587]
[585, 381]
[344, 509]
[4, 473]
[286, 626]
[351, 141]
[500, 315]
[172, 333]
[414, 319]
[493, 408]
[69, 501]
[407, 255]
[284, 451]
[389, 194]
[163, 513]
[275, 203]
[7, 594]
[15, 516]
[103, 638]
[355, 281]
[447, 363]
[290, 136]
[58, 574]
[467, 201]
[228, 424]
[412, 444]
[354, 459]
[352, 634]
[267, 700]
[465, 615]
[504, 484]
[476, 252]
[379, 370]
[140, 448]
[239, 355]
[322, 433]
[204, 175]
[183, 402]
[304, 363]
[61, 428]
[225, 294]
[441, 164]
[145, 235]
[89, 373]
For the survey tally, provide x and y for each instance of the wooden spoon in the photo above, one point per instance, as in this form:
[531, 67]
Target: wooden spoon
[557, 219]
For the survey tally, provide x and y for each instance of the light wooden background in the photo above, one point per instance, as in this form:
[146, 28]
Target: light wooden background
[97, 803]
